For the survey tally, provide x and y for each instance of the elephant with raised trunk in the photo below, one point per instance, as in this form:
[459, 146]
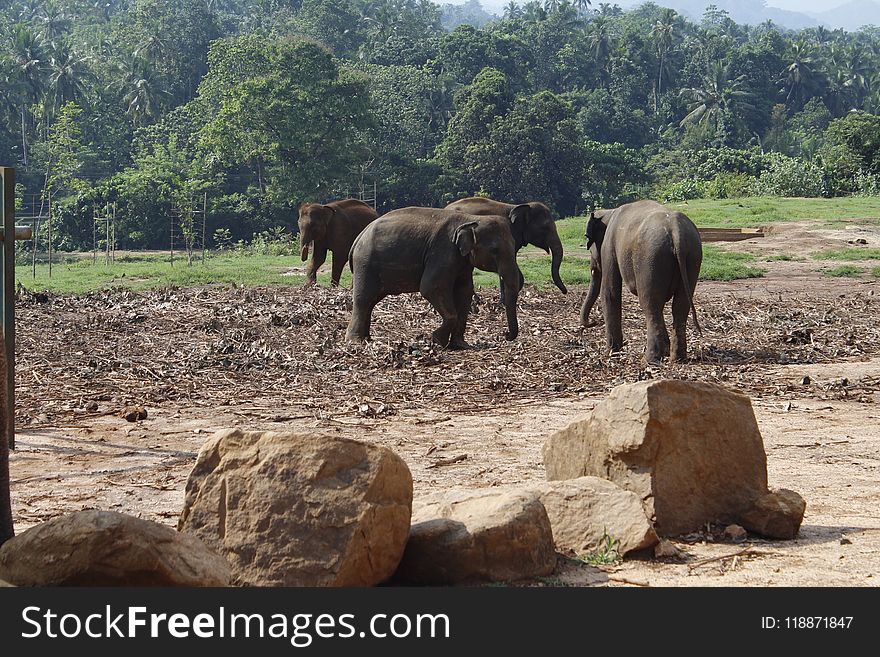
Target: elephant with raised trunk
[332, 227]
[657, 253]
[530, 223]
[433, 252]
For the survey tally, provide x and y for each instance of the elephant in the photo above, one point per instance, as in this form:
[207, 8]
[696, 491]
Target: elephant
[332, 227]
[530, 223]
[434, 252]
[657, 253]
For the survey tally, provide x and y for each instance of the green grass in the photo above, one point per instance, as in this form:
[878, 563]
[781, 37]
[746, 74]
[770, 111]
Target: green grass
[844, 271]
[606, 554]
[759, 211]
[784, 258]
[875, 272]
[848, 254]
[78, 274]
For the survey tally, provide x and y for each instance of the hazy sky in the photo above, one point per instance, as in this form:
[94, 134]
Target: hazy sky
[805, 5]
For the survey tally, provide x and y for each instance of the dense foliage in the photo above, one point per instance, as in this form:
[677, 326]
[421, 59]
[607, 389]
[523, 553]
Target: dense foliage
[265, 104]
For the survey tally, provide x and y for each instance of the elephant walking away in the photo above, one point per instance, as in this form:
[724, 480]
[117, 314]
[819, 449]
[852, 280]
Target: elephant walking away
[530, 223]
[332, 227]
[657, 254]
[434, 252]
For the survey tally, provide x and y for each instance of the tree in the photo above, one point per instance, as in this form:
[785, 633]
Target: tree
[721, 97]
[801, 78]
[298, 125]
[663, 35]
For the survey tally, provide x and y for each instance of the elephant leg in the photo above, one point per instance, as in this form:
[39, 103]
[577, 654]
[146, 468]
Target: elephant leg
[501, 287]
[441, 298]
[319, 255]
[338, 266]
[612, 285]
[363, 302]
[463, 295]
[657, 346]
[681, 307]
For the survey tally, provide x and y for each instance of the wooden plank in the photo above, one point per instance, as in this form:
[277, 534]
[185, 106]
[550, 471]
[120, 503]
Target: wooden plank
[729, 234]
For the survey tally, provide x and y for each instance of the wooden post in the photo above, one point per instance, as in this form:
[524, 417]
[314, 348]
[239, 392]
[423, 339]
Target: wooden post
[172, 237]
[94, 235]
[204, 221]
[49, 234]
[8, 291]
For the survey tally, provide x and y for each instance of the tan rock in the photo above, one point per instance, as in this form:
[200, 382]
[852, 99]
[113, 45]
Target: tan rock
[735, 533]
[461, 537]
[583, 510]
[692, 451]
[666, 549]
[778, 514]
[104, 548]
[292, 509]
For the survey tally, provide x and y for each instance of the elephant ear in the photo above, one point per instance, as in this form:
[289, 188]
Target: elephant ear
[519, 213]
[465, 237]
[330, 208]
[595, 230]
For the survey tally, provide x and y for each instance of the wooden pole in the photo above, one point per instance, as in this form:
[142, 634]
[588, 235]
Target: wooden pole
[94, 235]
[49, 234]
[113, 235]
[204, 221]
[172, 237]
[8, 291]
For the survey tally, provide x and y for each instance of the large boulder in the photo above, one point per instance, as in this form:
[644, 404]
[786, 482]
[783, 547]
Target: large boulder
[461, 537]
[778, 514]
[585, 510]
[691, 451]
[291, 509]
[104, 548]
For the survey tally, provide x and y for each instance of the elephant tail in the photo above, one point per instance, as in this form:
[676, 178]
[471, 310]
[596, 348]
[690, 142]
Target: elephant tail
[684, 279]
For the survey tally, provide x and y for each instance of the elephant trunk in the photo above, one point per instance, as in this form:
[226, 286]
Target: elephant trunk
[592, 295]
[305, 241]
[511, 293]
[556, 251]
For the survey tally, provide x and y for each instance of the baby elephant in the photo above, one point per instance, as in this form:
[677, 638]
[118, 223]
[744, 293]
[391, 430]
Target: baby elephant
[332, 227]
[433, 252]
[657, 253]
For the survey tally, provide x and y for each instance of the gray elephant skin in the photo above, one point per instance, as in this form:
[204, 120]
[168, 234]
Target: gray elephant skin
[332, 227]
[434, 252]
[530, 223]
[657, 253]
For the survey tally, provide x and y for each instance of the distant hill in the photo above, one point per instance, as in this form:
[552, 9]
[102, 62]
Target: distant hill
[852, 15]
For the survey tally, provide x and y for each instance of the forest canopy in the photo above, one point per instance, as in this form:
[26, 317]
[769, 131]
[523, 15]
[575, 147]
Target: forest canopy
[265, 104]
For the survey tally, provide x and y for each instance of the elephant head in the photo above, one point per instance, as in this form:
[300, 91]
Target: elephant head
[597, 224]
[488, 244]
[532, 223]
[313, 222]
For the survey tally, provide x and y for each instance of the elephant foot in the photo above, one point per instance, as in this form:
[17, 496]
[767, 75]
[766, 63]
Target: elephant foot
[310, 282]
[458, 344]
[440, 337]
[356, 338]
[592, 323]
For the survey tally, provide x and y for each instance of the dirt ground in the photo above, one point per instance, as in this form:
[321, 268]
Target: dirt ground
[209, 359]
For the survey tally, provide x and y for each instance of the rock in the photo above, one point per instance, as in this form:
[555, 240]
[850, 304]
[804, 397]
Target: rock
[735, 533]
[582, 511]
[291, 509]
[134, 413]
[461, 537]
[5, 584]
[778, 514]
[666, 549]
[691, 451]
[92, 406]
[105, 548]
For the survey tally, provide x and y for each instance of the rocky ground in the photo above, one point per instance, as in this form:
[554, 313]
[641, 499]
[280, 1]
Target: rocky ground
[805, 347]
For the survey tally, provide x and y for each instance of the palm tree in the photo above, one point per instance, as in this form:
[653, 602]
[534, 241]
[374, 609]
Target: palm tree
[68, 75]
[30, 63]
[141, 89]
[582, 6]
[601, 43]
[719, 95]
[663, 34]
[512, 10]
[801, 78]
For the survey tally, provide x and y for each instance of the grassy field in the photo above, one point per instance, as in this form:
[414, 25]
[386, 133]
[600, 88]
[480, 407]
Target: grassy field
[77, 273]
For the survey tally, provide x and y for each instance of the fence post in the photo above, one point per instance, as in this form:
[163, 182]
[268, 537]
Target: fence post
[8, 305]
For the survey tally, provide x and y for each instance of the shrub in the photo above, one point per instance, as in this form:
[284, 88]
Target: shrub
[789, 176]
[682, 190]
[867, 184]
[730, 185]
